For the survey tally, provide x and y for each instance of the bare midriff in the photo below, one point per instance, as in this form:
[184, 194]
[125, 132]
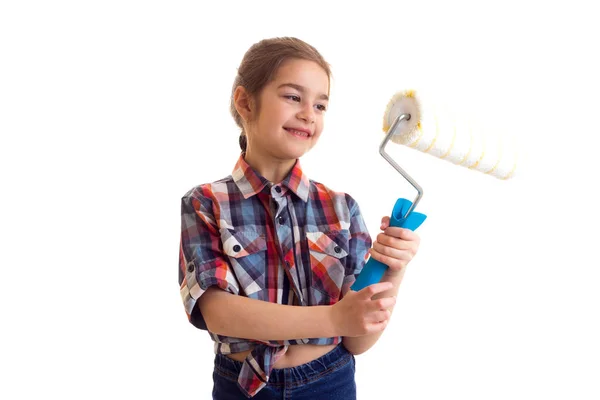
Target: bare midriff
[295, 355]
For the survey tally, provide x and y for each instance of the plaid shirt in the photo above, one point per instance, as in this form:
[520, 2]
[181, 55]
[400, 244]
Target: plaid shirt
[294, 243]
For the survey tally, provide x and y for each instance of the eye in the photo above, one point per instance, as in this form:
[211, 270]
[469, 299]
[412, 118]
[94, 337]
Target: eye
[293, 97]
[321, 107]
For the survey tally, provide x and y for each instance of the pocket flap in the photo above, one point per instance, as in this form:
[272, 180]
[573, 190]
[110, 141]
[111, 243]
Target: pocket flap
[240, 243]
[333, 243]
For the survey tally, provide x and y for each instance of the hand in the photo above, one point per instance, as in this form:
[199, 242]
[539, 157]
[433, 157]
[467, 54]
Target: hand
[357, 314]
[395, 247]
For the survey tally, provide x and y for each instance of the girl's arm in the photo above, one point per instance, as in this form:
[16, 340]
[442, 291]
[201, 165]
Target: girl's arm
[360, 344]
[238, 316]
[394, 247]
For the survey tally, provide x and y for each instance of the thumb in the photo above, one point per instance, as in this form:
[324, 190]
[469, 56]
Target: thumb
[385, 222]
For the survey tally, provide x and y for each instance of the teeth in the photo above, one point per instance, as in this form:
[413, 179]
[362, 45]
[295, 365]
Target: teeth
[297, 132]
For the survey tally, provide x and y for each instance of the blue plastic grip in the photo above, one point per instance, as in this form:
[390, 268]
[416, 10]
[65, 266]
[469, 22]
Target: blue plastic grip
[373, 270]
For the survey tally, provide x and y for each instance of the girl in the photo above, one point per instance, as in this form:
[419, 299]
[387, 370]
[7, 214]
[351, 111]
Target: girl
[267, 256]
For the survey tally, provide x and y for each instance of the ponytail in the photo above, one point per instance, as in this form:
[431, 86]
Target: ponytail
[243, 142]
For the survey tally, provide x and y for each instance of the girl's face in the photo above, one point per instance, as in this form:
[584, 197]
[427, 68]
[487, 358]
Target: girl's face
[292, 107]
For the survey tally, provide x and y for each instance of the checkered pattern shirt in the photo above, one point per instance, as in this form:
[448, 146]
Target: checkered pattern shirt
[294, 243]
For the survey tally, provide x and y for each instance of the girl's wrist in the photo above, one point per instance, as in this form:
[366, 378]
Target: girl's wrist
[392, 276]
[329, 320]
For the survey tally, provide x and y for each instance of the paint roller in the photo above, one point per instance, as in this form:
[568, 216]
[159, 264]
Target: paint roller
[443, 136]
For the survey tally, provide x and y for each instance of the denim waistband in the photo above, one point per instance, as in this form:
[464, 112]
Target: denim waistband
[304, 373]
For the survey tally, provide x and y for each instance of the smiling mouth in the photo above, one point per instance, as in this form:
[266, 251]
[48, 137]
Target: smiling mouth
[297, 133]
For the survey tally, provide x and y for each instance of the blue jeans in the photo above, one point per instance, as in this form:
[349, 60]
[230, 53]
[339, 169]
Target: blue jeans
[329, 377]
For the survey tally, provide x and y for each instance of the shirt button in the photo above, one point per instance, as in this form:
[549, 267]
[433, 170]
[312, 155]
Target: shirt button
[277, 189]
[236, 248]
[281, 219]
[190, 267]
[337, 249]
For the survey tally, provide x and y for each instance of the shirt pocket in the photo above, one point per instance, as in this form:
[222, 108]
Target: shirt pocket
[327, 250]
[247, 253]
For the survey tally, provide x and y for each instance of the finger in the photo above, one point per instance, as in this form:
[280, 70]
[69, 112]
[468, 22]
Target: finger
[377, 326]
[394, 264]
[384, 303]
[401, 233]
[379, 316]
[375, 288]
[400, 244]
[385, 222]
[395, 250]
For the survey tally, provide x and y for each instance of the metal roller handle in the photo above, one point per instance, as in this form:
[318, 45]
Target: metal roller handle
[389, 159]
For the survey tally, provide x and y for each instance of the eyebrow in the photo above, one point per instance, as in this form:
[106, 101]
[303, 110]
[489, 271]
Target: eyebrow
[302, 89]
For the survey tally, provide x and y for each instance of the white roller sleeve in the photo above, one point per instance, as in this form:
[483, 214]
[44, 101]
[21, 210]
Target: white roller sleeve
[450, 138]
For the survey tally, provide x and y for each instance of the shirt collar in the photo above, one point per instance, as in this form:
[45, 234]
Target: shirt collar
[249, 182]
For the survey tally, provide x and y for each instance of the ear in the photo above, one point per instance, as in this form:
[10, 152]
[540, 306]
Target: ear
[243, 103]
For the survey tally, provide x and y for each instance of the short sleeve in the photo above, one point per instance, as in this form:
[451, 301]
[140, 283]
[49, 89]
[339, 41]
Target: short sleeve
[358, 246]
[201, 260]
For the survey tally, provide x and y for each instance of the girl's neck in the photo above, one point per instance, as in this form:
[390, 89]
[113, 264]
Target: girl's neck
[273, 169]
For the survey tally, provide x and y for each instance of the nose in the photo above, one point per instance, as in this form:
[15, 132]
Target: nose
[307, 114]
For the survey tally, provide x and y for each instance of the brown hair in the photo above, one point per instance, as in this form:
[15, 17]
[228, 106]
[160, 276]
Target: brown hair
[260, 64]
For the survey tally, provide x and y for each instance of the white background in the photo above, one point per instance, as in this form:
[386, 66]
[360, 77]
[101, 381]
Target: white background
[110, 111]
